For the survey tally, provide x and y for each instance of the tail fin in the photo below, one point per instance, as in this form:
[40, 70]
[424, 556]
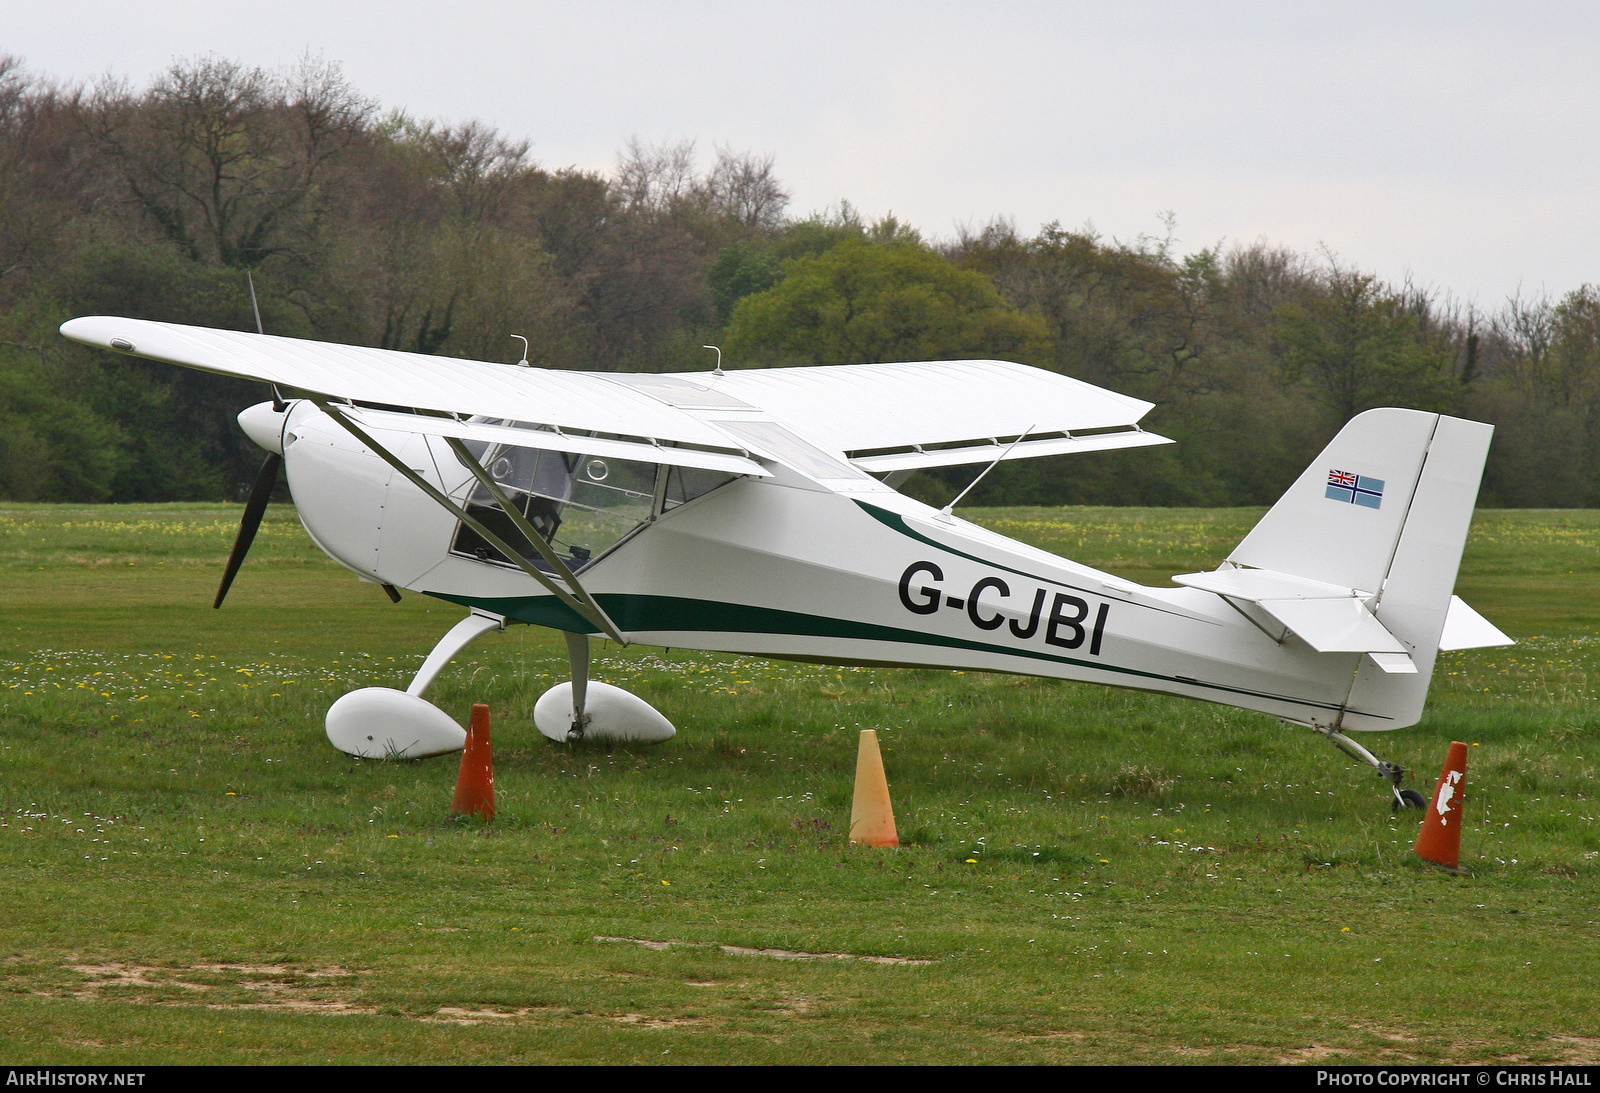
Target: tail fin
[1385, 510]
[1341, 520]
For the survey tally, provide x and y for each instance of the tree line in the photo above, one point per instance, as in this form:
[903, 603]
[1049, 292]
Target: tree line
[374, 227]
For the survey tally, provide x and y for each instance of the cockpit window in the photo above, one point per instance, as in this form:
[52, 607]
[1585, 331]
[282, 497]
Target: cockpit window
[582, 505]
[684, 484]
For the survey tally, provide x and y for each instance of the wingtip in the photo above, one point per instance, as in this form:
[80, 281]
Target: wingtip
[97, 330]
[106, 332]
[77, 328]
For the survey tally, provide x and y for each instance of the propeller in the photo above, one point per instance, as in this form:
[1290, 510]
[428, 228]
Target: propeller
[254, 507]
[267, 477]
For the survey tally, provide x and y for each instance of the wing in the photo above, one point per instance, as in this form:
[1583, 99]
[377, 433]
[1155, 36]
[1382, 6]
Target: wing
[890, 417]
[883, 417]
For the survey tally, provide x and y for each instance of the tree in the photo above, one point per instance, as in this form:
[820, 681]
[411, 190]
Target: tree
[1129, 317]
[1543, 395]
[744, 188]
[861, 302]
[52, 446]
[449, 248]
[41, 177]
[1358, 345]
[231, 163]
[744, 268]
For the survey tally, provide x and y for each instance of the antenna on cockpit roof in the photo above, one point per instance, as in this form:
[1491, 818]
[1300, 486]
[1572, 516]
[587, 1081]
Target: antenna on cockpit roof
[718, 370]
[523, 363]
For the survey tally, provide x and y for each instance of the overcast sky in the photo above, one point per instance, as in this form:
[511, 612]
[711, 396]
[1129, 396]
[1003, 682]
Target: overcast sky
[1455, 143]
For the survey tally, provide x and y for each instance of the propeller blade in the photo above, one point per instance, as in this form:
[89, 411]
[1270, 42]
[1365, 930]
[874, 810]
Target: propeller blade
[254, 507]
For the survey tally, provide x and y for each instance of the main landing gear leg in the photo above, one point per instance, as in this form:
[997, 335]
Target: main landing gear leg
[593, 711]
[578, 658]
[462, 634]
[1390, 772]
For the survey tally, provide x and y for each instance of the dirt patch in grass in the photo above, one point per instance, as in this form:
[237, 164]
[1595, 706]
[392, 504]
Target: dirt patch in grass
[283, 988]
[1312, 1053]
[1580, 1050]
[462, 1015]
[217, 986]
[1394, 1035]
[789, 1007]
[644, 1020]
[771, 954]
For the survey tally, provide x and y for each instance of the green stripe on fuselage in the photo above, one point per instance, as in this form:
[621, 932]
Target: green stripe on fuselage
[674, 614]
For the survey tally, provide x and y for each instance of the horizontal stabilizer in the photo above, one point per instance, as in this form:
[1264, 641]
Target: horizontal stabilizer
[1464, 628]
[1328, 617]
[1253, 585]
[1333, 626]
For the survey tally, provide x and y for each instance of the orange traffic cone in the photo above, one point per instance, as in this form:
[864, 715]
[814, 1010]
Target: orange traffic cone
[475, 783]
[871, 815]
[1439, 841]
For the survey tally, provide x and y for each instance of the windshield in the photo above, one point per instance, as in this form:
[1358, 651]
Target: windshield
[580, 505]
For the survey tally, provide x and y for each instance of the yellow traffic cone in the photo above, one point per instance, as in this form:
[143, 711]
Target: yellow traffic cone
[871, 815]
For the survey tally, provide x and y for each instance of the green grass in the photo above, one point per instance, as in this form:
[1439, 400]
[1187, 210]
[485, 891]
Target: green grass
[194, 875]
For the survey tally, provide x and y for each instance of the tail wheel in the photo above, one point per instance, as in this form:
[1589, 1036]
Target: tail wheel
[1410, 798]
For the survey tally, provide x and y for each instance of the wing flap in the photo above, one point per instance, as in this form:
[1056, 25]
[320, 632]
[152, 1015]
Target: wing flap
[1394, 664]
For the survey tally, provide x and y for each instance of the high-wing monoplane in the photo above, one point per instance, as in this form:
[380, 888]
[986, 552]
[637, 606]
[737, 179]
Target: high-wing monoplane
[754, 511]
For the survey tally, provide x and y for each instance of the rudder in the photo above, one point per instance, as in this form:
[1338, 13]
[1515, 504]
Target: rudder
[1415, 598]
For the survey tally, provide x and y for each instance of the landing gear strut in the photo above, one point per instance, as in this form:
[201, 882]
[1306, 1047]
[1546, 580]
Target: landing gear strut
[578, 660]
[1390, 772]
[595, 712]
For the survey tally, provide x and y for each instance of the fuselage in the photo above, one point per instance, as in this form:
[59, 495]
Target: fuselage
[827, 569]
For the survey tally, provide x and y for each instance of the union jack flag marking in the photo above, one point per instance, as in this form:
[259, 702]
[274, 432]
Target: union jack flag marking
[1357, 489]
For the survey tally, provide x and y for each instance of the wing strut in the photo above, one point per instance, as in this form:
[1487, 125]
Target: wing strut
[586, 607]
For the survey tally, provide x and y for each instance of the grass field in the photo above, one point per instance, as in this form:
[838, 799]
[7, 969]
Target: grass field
[194, 876]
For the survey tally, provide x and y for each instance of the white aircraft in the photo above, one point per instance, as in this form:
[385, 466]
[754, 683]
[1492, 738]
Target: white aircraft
[743, 512]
